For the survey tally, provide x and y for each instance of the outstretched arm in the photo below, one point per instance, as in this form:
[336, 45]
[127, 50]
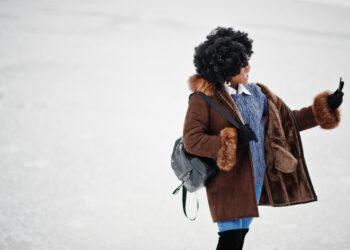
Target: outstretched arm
[324, 110]
[319, 113]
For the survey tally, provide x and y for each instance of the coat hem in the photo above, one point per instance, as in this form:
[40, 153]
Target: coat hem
[289, 204]
[270, 205]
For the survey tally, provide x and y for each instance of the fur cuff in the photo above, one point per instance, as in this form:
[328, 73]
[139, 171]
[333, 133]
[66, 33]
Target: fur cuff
[227, 154]
[324, 115]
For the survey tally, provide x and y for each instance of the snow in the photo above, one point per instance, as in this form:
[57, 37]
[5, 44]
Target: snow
[93, 95]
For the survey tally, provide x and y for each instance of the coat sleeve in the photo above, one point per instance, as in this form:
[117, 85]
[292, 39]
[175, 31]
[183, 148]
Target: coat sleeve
[304, 118]
[319, 113]
[198, 141]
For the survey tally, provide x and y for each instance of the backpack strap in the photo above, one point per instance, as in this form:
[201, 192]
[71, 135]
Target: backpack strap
[218, 108]
[184, 195]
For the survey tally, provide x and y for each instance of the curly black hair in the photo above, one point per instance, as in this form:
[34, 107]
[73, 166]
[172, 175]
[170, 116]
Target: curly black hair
[222, 55]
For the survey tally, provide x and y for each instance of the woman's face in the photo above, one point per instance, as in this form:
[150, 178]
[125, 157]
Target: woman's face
[242, 77]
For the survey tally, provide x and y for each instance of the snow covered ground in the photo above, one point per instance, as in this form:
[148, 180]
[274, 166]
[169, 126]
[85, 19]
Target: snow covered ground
[93, 95]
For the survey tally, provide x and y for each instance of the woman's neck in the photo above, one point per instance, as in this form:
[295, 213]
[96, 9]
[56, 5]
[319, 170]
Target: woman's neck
[234, 85]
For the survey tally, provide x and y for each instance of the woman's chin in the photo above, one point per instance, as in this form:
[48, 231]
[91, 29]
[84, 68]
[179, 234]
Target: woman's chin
[244, 80]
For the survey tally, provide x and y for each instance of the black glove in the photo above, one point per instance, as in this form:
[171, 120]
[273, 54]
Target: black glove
[245, 134]
[335, 99]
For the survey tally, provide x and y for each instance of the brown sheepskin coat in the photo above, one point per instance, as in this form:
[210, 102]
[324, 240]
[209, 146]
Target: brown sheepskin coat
[231, 194]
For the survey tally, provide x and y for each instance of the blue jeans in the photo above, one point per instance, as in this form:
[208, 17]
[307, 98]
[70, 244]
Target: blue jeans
[240, 223]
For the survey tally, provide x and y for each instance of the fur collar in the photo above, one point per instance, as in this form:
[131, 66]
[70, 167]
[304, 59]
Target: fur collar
[198, 83]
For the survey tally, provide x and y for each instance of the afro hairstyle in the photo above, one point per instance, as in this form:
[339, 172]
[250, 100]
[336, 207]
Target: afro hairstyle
[222, 55]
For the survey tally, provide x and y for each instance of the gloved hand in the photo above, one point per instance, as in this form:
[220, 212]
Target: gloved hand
[335, 99]
[245, 135]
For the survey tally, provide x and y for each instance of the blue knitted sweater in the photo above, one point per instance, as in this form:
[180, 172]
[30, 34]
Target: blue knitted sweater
[253, 107]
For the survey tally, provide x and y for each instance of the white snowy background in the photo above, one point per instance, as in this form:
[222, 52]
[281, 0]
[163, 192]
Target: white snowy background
[93, 95]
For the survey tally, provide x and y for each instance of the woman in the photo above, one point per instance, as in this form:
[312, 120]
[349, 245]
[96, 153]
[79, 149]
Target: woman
[262, 163]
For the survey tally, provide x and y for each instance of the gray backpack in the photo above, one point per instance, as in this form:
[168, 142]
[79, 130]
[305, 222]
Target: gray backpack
[196, 172]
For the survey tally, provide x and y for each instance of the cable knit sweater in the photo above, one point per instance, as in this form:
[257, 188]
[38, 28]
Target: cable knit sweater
[252, 104]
